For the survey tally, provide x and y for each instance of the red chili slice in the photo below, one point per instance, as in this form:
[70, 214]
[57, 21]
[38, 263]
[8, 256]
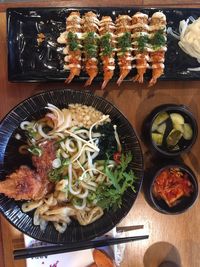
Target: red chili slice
[117, 157]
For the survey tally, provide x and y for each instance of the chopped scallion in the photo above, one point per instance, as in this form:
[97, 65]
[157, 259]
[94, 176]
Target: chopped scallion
[124, 42]
[35, 151]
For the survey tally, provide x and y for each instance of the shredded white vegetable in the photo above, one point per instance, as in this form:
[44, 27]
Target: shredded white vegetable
[194, 69]
[117, 138]
[189, 38]
[81, 139]
[104, 117]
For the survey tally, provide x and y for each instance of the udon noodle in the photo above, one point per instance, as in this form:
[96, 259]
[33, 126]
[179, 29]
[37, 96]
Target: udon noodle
[76, 170]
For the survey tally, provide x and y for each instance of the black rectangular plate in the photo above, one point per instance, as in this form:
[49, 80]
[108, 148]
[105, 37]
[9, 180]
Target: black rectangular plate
[28, 62]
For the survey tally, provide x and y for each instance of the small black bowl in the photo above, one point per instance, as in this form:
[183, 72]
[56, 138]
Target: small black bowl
[183, 145]
[159, 204]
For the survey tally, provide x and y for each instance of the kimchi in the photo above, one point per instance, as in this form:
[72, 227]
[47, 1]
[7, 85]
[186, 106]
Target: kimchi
[171, 185]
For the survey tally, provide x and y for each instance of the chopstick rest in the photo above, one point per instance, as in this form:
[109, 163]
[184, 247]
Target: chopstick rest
[122, 229]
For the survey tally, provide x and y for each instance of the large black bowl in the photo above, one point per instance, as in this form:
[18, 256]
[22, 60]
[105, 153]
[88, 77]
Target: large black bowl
[10, 159]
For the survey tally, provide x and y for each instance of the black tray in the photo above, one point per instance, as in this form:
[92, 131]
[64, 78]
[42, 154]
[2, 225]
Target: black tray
[32, 63]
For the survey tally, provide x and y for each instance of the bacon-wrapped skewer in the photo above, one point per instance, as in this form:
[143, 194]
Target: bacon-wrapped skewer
[90, 45]
[72, 37]
[158, 45]
[124, 46]
[107, 45]
[140, 40]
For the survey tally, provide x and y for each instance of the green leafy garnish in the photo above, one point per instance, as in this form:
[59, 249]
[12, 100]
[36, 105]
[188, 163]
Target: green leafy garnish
[60, 173]
[72, 39]
[54, 175]
[106, 45]
[91, 45]
[91, 196]
[158, 40]
[31, 133]
[142, 42]
[124, 42]
[121, 179]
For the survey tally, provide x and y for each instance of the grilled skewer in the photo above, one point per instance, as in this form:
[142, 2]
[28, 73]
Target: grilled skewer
[107, 45]
[158, 45]
[140, 41]
[124, 46]
[86, 39]
[90, 45]
[72, 38]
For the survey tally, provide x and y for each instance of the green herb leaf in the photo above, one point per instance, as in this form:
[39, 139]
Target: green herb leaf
[113, 178]
[91, 196]
[121, 179]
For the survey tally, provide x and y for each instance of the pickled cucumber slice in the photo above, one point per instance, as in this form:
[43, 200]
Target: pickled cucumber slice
[158, 120]
[173, 138]
[157, 138]
[161, 128]
[179, 127]
[187, 131]
[177, 118]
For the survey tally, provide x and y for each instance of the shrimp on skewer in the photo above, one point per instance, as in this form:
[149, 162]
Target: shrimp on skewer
[90, 45]
[140, 40]
[158, 43]
[107, 45]
[72, 37]
[124, 46]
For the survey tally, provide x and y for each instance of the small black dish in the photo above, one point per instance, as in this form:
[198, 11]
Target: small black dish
[165, 148]
[159, 204]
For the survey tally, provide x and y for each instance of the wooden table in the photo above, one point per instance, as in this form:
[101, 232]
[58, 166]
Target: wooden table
[171, 237]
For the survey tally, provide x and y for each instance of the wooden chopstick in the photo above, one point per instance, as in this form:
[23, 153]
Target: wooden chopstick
[55, 249]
